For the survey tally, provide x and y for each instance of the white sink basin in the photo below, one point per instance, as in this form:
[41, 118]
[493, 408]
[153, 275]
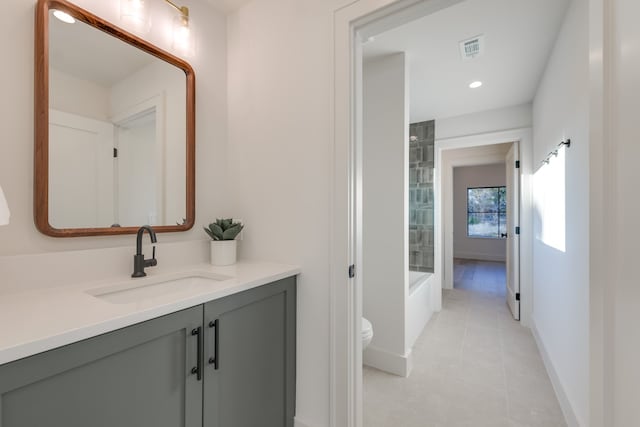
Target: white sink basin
[138, 290]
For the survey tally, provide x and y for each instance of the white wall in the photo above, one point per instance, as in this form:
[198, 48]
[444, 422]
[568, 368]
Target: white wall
[561, 278]
[16, 122]
[280, 151]
[73, 95]
[469, 177]
[385, 216]
[621, 176]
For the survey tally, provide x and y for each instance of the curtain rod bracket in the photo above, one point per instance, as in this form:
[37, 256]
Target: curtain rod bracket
[567, 143]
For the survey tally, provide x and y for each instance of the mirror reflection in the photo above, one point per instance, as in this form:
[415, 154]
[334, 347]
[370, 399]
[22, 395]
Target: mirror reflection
[117, 132]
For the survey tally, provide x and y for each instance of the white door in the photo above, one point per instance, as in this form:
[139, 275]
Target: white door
[80, 171]
[513, 231]
[137, 172]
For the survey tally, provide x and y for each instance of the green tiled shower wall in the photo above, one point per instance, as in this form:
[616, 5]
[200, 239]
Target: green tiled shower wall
[421, 162]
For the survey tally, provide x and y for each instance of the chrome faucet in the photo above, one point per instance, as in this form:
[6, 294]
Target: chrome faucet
[139, 263]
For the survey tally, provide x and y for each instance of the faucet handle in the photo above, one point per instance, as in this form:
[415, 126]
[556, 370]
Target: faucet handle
[153, 261]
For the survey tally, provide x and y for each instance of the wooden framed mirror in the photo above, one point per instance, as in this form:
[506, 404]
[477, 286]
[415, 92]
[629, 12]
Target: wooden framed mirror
[114, 129]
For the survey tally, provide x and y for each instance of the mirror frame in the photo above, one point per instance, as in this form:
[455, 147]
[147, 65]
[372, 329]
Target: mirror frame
[41, 117]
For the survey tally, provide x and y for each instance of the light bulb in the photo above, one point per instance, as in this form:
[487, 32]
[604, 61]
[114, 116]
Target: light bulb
[475, 85]
[181, 35]
[134, 12]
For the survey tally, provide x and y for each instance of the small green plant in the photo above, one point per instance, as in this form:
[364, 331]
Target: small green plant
[224, 229]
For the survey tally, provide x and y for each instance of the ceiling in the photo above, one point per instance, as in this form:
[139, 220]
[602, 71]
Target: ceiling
[518, 34]
[90, 54]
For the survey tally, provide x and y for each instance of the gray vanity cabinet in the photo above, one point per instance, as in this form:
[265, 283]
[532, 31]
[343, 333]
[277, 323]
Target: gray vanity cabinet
[139, 376]
[249, 378]
[227, 363]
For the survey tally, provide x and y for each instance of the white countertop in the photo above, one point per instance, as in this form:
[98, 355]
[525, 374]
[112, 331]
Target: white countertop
[38, 320]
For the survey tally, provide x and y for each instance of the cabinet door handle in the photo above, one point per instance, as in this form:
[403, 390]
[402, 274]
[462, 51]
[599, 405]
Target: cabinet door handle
[214, 360]
[198, 369]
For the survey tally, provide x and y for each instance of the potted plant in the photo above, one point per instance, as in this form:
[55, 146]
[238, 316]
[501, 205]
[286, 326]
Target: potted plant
[223, 244]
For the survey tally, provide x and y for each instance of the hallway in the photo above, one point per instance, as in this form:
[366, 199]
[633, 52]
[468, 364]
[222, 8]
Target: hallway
[473, 366]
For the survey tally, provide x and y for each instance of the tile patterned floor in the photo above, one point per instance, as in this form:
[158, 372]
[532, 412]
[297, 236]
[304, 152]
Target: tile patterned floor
[474, 366]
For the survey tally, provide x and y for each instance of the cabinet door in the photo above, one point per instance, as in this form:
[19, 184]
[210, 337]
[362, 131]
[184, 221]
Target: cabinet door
[250, 370]
[138, 376]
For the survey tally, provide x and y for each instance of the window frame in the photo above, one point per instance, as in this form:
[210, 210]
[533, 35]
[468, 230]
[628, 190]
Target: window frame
[498, 212]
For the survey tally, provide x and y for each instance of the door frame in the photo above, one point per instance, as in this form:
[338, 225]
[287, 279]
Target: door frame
[352, 23]
[349, 17]
[443, 180]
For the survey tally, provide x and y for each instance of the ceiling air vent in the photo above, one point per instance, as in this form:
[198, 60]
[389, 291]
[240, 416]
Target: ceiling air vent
[472, 48]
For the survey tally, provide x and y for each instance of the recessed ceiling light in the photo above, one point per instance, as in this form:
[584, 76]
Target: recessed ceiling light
[475, 85]
[64, 17]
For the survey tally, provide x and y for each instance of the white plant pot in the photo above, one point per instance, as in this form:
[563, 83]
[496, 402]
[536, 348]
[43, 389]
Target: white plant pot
[223, 252]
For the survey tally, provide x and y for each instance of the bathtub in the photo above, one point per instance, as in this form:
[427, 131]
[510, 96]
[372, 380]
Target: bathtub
[417, 278]
[420, 305]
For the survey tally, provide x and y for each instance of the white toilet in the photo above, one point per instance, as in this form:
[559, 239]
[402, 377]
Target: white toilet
[367, 333]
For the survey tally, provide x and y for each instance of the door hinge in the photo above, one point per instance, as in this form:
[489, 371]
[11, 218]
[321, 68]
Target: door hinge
[352, 271]
[517, 230]
[517, 164]
[115, 153]
[517, 296]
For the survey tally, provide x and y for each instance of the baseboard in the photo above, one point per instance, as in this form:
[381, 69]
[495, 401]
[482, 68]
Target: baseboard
[569, 414]
[479, 256]
[298, 423]
[392, 363]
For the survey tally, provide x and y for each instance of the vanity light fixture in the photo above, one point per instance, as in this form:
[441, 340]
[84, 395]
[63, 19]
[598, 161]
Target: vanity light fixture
[4, 209]
[135, 13]
[184, 12]
[181, 30]
[64, 17]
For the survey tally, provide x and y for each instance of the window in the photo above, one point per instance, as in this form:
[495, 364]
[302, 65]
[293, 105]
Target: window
[487, 212]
